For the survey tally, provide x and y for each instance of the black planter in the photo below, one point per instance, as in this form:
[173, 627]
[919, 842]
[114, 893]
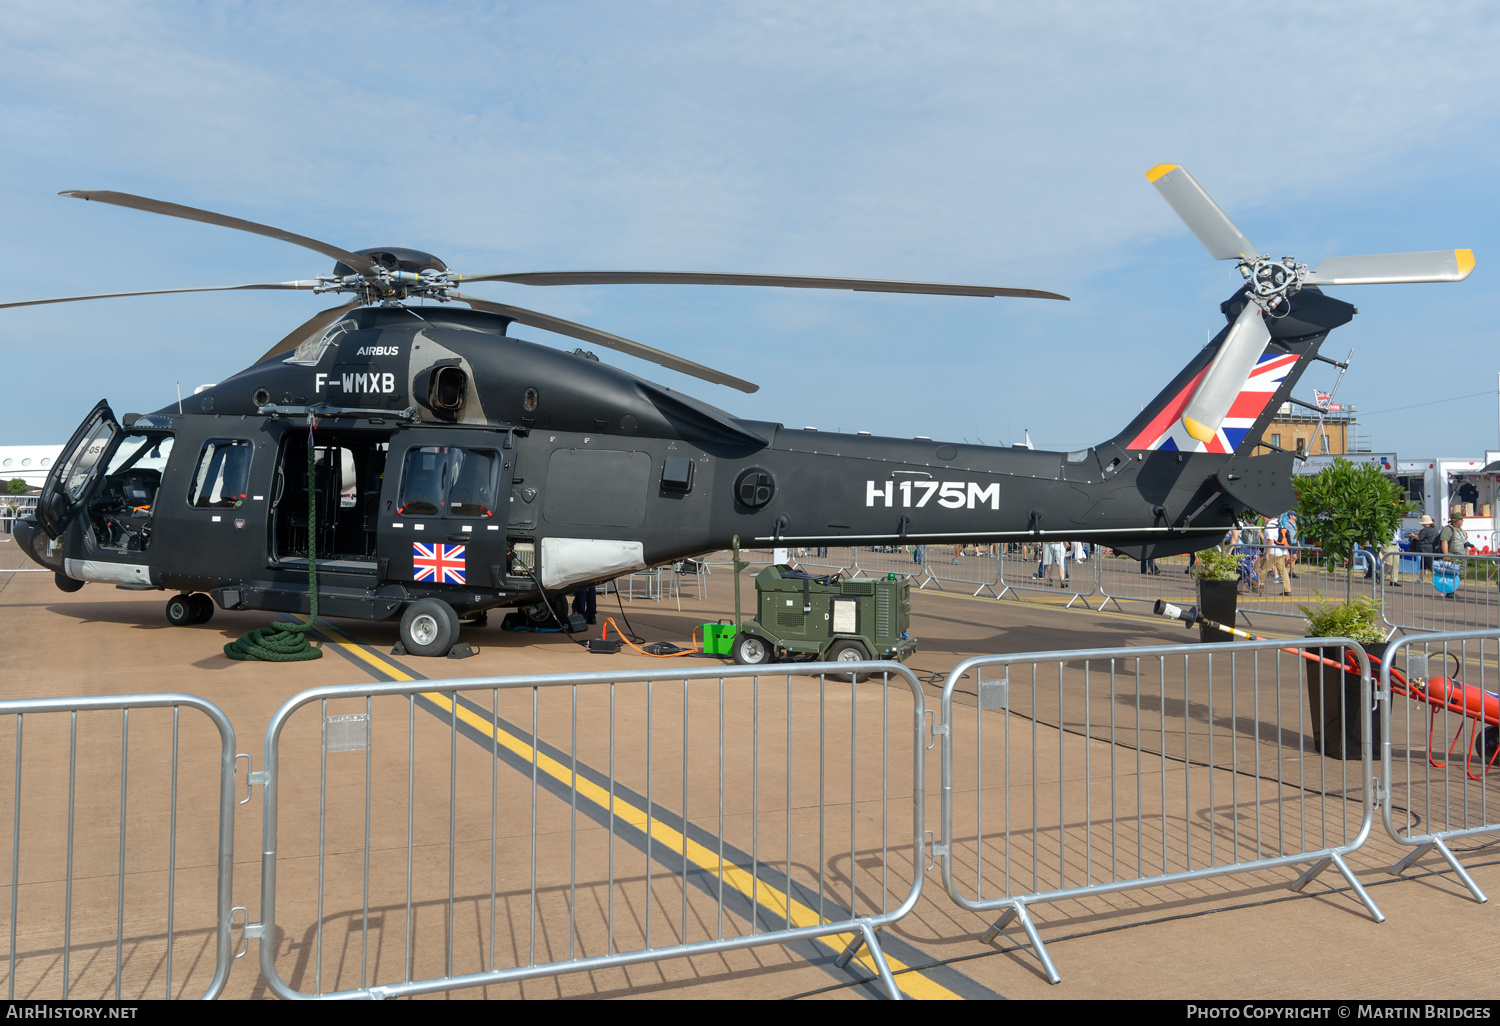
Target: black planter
[1217, 601]
[1333, 702]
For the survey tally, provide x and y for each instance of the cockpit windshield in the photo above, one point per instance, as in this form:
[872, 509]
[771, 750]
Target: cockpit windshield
[312, 348]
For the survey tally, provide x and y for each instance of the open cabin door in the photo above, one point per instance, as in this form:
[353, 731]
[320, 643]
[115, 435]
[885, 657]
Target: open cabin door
[77, 470]
[444, 505]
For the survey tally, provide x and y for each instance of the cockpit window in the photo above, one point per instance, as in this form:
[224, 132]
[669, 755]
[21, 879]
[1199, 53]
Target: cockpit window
[473, 493]
[223, 473]
[312, 348]
[449, 481]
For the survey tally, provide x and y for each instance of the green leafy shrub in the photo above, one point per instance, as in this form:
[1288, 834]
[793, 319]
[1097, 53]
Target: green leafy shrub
[17, 486]
[1359, 620]
[1214, 565]
[1342, 506]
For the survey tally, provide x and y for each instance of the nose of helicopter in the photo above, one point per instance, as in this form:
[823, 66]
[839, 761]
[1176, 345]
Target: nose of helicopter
[33, 541]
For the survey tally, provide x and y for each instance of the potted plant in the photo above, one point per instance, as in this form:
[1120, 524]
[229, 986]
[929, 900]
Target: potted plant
[1338, 508]
[1333, 694]
[1218, 575]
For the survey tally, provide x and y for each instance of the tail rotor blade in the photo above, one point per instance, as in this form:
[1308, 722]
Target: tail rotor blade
[1227, 374]
[1200, 213]
[1393, 268]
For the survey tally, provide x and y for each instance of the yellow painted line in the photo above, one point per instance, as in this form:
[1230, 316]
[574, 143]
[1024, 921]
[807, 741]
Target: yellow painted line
[1159, 170]
[1465, 258]
[912, 984]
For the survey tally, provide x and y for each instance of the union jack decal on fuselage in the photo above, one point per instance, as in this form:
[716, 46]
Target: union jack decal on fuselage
[438, 563]
[1167, 433]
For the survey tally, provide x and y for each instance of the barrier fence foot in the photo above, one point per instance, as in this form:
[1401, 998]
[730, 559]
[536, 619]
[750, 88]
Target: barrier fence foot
[1459, 871]
[1348, 875]
[866, 938]
[850, 950]
[1410, 859]
[1017, 911]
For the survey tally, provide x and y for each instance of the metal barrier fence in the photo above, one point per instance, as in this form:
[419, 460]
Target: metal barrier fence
[439, 835]
[826, 558]
[165, 890]
[1308, 580]
[1021, 568]
[1433, 593]
[1093, 771]
[530, 848]
[1439, 735]
[908, 561]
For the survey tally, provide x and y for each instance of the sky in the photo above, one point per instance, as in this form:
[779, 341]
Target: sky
[989, 143]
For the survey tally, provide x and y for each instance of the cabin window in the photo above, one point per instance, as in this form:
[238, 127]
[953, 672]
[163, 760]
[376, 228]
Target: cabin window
[223, 473]
[449, 481]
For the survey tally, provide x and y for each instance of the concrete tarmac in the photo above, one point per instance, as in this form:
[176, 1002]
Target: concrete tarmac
[401, 903]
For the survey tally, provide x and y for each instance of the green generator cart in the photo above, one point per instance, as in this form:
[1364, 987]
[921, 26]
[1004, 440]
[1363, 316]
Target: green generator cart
[828, 618]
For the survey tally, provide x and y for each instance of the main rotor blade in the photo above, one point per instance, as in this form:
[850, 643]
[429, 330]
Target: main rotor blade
[1200, 213]
[364, 265]
[1226, 375]
[1393, 268]
[603, 338]
[316, 323]
[786, 281]
[305, 284]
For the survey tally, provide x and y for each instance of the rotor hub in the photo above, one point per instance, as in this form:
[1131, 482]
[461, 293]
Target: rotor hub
[1273, 282]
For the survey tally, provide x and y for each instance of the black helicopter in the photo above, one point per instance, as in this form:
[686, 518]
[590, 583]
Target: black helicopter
[455, 468]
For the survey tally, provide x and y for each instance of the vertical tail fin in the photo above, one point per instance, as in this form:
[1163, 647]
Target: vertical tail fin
[1224, 406]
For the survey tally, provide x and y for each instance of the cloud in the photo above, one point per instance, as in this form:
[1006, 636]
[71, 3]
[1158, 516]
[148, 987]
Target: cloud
[1001, 143]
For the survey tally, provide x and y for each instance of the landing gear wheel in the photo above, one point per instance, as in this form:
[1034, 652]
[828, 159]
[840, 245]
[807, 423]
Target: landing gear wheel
[538, 615]
[1486, 742]
[203, 607]
[180, 611]
[429, 627]
[752, 650]
[848, 652]
[66, 583]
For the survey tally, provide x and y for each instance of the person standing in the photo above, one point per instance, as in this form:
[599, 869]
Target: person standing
[1276, 556]
[1289, 540]
[1424, 543]
[1390, 559]
[585, 603]
[1052, 557]
[1454, 540]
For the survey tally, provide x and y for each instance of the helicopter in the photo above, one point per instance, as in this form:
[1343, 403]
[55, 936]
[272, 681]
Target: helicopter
[434, 467]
